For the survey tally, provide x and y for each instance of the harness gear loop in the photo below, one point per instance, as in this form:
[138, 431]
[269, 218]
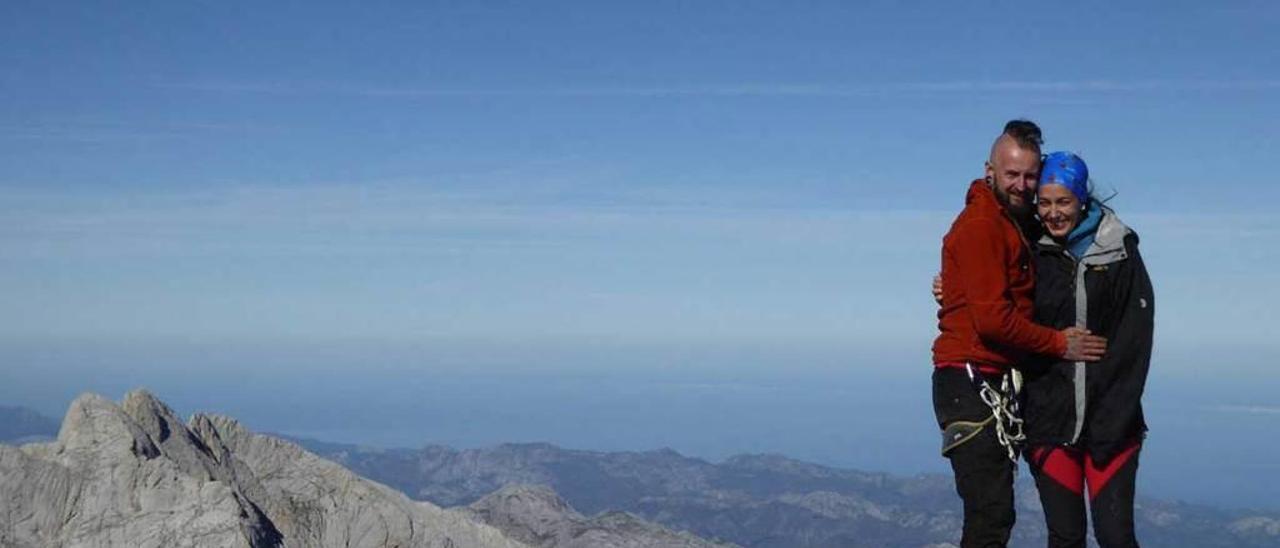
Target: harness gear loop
[1004, 409]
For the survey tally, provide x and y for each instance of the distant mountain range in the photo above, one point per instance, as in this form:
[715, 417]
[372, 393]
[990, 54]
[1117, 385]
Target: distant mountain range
[278, 494]
[19, 424]
[759, 500]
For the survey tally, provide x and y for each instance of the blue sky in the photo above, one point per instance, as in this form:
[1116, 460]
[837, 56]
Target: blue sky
[606, 224]
[659, 173]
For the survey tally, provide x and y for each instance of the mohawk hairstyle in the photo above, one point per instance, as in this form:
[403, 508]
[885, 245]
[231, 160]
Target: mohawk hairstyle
[1025, 132]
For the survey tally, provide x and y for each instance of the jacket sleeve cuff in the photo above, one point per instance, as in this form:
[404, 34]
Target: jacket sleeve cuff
[1059, 344]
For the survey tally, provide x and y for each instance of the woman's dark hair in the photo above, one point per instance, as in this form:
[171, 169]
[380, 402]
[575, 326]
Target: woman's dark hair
[1025, 132]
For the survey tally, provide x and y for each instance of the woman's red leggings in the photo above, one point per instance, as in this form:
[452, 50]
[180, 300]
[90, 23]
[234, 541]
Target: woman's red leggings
[1062, 475]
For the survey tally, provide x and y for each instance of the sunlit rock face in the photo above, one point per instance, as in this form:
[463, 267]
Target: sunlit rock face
[134, 474]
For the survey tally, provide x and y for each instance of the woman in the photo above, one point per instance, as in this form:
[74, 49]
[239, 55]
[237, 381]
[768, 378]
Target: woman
[1084, 423]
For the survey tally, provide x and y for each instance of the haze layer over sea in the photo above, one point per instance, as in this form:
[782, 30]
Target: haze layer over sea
[1213, 412]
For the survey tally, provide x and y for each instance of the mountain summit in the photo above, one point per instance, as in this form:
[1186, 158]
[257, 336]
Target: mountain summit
[133, 474]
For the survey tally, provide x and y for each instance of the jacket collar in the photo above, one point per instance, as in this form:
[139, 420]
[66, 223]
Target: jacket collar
[981, 195]
[1108, 244]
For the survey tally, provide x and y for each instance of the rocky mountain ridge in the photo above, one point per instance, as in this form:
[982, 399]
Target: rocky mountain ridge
[760, 500]
[538, 516]
[133, 474]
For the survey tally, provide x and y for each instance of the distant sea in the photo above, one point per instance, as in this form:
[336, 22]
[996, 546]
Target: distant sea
[1214, 413]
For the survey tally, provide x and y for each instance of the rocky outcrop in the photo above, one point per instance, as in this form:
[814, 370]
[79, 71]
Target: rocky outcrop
[537, 516]
[134, 474]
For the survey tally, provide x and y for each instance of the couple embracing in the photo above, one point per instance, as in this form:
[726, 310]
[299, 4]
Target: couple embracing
[1046, 317]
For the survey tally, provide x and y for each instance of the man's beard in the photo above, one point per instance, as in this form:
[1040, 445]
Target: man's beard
[1021, 210]
[1023, 215]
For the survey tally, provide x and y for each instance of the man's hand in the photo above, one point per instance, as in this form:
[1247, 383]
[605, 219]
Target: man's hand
[1082, 346]
[937, 288]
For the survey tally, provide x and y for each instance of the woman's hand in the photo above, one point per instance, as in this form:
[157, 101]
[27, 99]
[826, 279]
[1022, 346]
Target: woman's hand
[937, 288]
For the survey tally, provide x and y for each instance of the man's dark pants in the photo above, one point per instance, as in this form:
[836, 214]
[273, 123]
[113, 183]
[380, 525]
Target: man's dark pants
[983, 470]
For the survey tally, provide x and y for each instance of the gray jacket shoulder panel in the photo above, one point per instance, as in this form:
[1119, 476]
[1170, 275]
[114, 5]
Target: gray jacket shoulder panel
[1108, 244]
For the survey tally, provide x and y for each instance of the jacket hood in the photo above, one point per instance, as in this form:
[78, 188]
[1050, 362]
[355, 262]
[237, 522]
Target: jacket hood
[981, 194]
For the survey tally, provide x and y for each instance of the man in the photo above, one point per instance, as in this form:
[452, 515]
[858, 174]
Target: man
[986, 330]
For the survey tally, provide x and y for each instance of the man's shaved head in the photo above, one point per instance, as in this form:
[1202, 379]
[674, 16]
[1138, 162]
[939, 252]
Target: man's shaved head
[1013, 169]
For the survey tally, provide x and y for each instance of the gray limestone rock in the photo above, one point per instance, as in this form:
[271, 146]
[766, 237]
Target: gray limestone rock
[135, 475]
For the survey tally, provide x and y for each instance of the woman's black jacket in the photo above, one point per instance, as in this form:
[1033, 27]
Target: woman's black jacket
[1108, 292]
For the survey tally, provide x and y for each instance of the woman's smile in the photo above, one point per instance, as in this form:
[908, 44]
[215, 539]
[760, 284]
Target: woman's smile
[1059, 210]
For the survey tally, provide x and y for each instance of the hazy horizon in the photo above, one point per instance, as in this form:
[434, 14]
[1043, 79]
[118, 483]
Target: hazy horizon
[838, 405]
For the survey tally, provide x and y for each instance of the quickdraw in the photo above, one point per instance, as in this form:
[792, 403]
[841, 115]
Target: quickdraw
[1004, 409]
